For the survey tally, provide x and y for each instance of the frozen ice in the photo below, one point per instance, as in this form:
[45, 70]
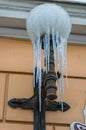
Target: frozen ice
[49, 20]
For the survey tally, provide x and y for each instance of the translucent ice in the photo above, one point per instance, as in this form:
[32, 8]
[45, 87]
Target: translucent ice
[49, 21]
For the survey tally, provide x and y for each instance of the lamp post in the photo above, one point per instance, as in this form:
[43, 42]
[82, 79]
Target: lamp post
[48, 27]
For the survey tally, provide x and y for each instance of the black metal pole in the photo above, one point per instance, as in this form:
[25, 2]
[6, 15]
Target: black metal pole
[48, 89]
[43, 123]
[36, 119]
[50, 79]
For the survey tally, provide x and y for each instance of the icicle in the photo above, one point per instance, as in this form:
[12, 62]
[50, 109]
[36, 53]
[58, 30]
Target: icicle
[47, 50]
[60, 66]
[66, 65]
[61, 102]
[39, 60]
[37, 65]
[58, 87]
[48, 47]
[57, 42]
[46, 20]
[64, 57]
[34, 62]
[60, 98]
[59, 55]
[54, 45]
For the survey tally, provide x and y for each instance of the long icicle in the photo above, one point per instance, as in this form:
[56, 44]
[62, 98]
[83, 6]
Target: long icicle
[39, 73]
[46, 43]
[34, 62]
[38, 65]
[54, 45]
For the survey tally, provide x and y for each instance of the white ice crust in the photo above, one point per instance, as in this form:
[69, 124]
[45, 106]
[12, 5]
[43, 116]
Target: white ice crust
[49, 20]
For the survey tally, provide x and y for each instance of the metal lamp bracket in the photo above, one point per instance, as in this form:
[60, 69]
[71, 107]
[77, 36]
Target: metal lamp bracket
[33, 103]
[48, 94]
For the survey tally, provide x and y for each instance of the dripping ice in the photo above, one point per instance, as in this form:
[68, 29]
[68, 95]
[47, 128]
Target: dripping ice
[45, 20]
[59, 49]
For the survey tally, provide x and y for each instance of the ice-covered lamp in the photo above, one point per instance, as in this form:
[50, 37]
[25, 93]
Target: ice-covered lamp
[48, 27]
[49, 24]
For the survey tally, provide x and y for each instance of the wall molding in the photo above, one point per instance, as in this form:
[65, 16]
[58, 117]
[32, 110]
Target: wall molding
[22, 34]
[11, 11]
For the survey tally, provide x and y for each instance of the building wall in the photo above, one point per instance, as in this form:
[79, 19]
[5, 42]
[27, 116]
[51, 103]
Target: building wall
[16, 80]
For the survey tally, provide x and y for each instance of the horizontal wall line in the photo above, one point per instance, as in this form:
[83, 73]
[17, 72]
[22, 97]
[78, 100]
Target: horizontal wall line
[16, 72]
[30, 73]
[32, 123]
[75, 77]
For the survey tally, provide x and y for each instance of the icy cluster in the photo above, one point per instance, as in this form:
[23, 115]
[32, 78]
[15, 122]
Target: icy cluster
[49, 20]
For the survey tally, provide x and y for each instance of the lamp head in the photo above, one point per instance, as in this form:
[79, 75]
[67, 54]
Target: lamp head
[48, 19]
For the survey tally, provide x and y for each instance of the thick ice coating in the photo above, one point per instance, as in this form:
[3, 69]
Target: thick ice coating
[49, 20]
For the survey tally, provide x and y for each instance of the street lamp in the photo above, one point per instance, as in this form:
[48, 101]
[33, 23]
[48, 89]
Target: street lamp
[48, 26]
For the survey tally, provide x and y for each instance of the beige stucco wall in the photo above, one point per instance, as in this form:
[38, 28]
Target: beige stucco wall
[16, 80]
